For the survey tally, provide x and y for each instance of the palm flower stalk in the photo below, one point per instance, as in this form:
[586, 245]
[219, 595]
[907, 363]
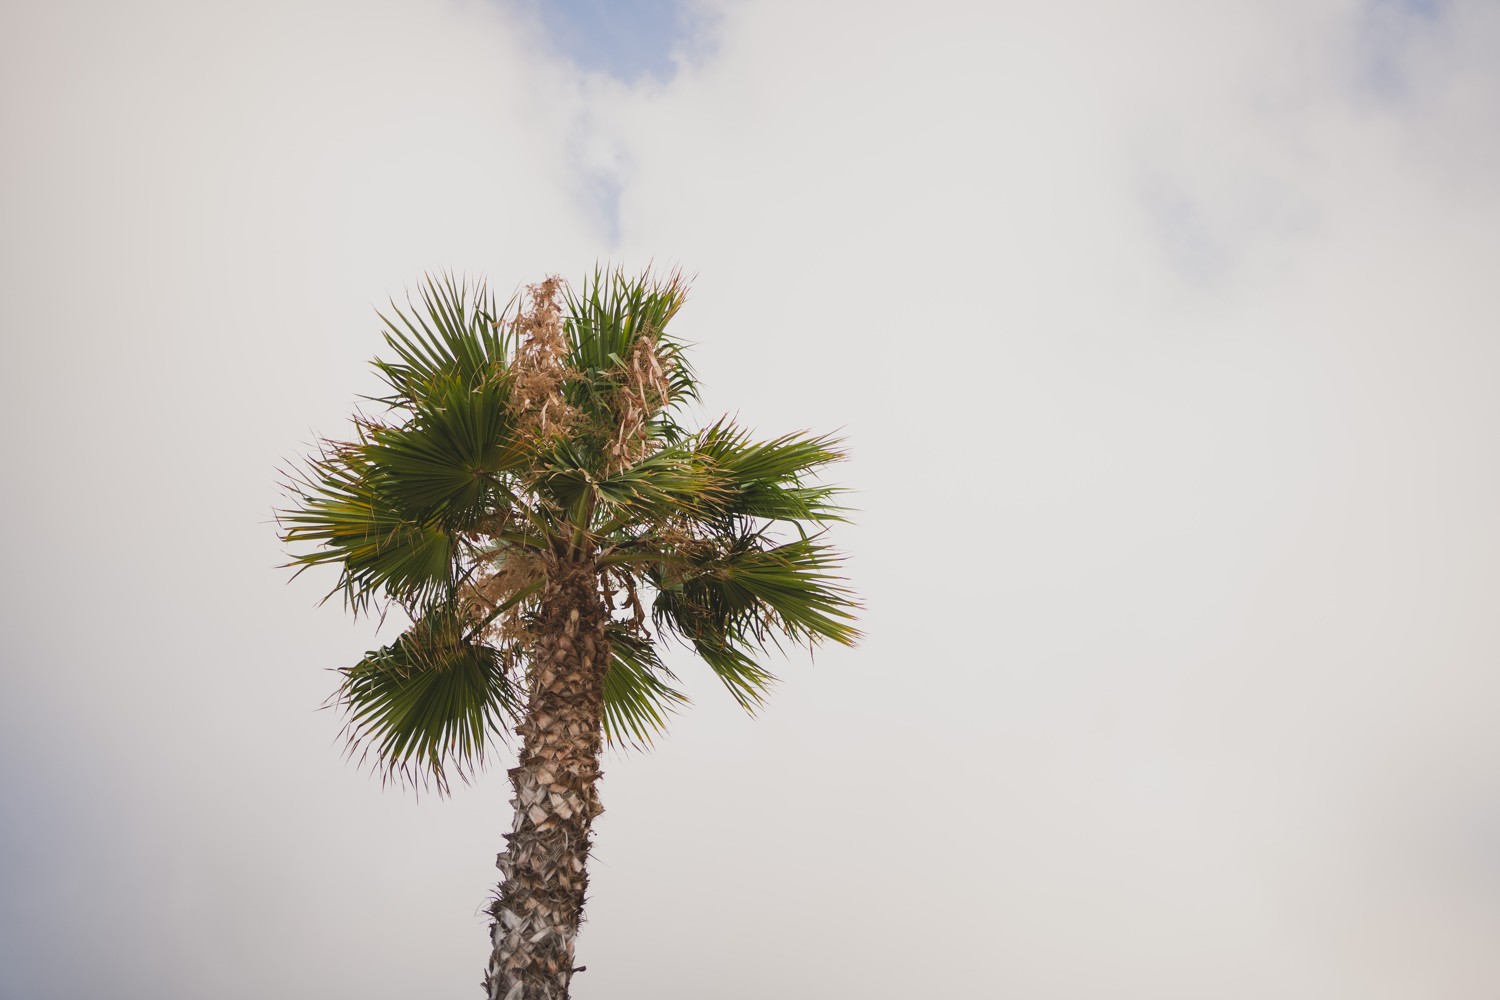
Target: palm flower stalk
[529, 501]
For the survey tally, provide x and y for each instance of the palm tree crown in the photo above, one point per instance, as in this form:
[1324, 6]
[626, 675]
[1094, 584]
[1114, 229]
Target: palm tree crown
[531, 502]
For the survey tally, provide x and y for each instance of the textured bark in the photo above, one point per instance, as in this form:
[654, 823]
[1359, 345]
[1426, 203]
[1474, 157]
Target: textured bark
[540, 903]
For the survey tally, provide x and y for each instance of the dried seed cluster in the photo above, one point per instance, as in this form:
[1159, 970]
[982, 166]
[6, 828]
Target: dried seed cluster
[540, 364]
[642, 395]
[515, 569]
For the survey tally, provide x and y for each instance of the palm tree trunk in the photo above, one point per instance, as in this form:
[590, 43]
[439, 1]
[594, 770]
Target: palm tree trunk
[540, 901]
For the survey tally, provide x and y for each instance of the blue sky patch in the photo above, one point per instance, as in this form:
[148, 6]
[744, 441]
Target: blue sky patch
[627, 39]
[1429, 9]
[1387, 31]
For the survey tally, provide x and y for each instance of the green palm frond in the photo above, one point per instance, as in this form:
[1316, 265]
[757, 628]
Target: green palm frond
[610, 312]
[778, 460]
[637, 700]
[564, 479]
[454, 337]
[736, 668]
[796, 585]
[674, 482]
[429, 702]
[348, 514]
[721, 478]
[770, 479]
[728, 608]
[605, 321]
[444, 462]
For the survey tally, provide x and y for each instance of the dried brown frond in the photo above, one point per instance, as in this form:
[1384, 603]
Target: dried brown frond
[682, 537]
[492, 524]
[540, 364]
[514, 572]
[638, 613]
[642, 394]
[616, 582]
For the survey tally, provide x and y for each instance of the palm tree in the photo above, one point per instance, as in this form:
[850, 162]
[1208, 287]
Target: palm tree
[525, 496]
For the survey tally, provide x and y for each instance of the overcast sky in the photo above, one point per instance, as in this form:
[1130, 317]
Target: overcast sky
[1164, 336]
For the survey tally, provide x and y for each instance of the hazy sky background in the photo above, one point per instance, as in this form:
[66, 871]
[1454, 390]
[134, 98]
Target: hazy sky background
[1164, 335]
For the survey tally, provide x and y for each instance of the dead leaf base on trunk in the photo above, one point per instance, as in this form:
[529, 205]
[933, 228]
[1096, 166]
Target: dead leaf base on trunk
[541, 896]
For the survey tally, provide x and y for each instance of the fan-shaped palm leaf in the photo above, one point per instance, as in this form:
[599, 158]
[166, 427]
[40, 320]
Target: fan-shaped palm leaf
[430, 701]
[348, 513]
[637, 700]
[444, 462]
[455, 336]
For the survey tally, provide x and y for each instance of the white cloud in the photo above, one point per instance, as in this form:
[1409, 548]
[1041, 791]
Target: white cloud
[1163, 337]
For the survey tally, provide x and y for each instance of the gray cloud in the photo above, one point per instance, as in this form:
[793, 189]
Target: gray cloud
[1164, 342]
